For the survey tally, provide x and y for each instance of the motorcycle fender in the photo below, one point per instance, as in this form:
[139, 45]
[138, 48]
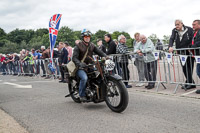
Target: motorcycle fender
[103, 86]
[117, 77]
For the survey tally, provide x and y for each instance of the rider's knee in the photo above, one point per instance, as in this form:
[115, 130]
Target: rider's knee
[85, 78]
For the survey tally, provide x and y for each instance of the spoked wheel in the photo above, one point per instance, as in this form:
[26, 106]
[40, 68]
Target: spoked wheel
[117, 95]
[73, 90]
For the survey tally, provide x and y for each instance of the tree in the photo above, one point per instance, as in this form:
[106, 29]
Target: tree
[23, 45]
[2, 42]
[9, 47]
[41, 32]
[17, 36]
[66, 34]
[77, 35]
[19, 39]
[126, 34]
[35, 42]
[115, 34]
[29, 34]
[129, 43]
[2, 34]
[129, 40]
[153, 38]
[100, 35]
[93, 39]
[2, 37]
[166, 39]
[45, 40]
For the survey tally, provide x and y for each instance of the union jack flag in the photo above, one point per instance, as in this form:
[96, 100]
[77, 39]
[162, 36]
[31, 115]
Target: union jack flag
[53, 31]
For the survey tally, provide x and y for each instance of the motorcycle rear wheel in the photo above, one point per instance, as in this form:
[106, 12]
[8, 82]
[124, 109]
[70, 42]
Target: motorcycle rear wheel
[73, 91]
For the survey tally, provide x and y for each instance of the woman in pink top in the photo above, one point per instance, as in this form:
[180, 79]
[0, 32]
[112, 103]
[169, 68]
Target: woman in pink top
[69, 49]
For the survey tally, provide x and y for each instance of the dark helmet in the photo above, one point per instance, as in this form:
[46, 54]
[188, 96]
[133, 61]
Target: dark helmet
[86, 32]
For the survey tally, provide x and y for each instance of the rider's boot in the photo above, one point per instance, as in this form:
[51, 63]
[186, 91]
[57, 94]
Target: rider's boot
[83, 99]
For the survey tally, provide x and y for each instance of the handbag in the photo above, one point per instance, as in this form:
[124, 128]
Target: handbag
[72, 68]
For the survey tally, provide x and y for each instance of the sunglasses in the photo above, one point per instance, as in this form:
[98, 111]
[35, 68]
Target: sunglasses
[86, 36]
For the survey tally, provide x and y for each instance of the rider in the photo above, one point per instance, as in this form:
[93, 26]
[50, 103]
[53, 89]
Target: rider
[78, 54]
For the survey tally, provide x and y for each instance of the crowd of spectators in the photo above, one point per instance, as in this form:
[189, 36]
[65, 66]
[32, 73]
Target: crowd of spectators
[28, 62]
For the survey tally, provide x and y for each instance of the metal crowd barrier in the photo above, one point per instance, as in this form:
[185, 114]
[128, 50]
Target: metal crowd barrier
[132, 70]
[24, 68]
[173, 68]
[182, 68]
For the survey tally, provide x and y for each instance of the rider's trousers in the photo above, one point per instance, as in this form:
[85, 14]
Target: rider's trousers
[83, 80]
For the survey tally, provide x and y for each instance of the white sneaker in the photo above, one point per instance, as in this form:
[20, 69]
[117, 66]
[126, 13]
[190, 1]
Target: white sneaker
[137, 85]
[140, 84]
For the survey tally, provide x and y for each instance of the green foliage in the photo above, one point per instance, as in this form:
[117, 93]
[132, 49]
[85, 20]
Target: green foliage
[77, 35]
[9, 47]
[45, 40]
[153, 38]
[23, 45]
[115, 35]
[99, 35]
[41, 32]
[166, 39]
[19, 39]
[2, 42]
[17, 36]
[66, 34]
[35, 42]
[2, 34]
[129, 40]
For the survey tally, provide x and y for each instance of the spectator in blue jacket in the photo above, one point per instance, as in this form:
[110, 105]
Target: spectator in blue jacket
[36, 56]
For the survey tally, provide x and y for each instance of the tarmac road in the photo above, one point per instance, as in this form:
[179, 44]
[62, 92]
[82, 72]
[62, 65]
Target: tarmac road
[42, 108]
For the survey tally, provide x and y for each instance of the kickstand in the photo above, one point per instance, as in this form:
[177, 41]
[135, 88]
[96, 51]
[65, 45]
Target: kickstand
[69, 94]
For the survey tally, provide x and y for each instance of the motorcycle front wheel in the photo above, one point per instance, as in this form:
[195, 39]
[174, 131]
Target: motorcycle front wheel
[116, 95]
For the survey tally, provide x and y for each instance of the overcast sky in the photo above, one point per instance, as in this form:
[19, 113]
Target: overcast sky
[144, 16]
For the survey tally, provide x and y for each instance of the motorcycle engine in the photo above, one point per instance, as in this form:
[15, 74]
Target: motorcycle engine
[91, 92]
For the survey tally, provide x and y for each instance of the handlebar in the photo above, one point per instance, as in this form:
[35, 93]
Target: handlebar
[87, 66]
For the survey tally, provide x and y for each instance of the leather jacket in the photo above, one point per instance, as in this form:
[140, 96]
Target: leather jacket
[80, 50]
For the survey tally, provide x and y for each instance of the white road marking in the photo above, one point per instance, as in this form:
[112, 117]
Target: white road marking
[189, 92]
[17, 85]
[13, 79]
[44, 81]
[38, 81]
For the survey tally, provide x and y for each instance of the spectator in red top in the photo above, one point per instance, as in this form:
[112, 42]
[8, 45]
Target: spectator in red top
[0, 63]
[196, 44]
[3, 62]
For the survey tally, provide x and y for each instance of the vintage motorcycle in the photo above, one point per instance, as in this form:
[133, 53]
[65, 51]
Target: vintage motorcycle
[101, 86]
